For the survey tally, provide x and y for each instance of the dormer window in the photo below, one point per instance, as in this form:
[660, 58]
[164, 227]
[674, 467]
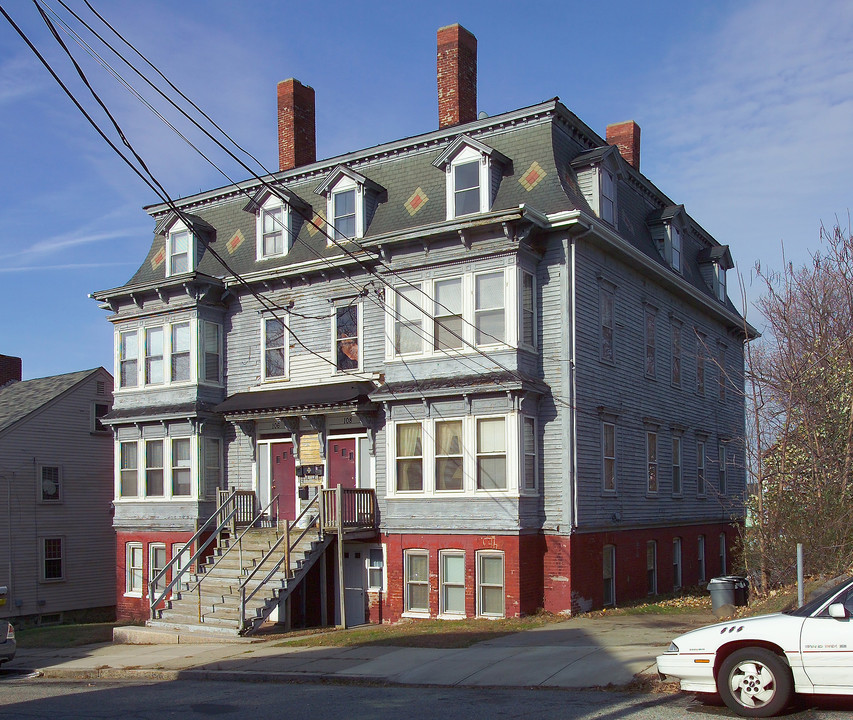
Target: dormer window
[274, 221]
[713, 263]
[178, 259]
[351, 200]
[675, 248]
[720, 281]
[667, 227]
[473, 171]
[598, 171]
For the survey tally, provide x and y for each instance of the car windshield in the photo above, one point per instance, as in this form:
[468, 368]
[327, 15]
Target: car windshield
[812, 605]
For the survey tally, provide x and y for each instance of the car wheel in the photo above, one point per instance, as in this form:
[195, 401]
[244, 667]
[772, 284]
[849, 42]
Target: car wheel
[755, 682]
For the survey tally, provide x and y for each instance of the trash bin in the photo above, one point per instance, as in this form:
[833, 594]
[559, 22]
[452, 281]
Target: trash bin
[728, 590]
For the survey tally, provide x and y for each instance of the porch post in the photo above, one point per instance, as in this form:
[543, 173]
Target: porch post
[339, 498]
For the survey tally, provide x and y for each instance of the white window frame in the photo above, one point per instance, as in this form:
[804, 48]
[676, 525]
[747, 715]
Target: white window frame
[468, 154]
[152, 549]
[154, 468]
[182, 559]
[608, 564]
[359, 318]
[373, 569]
[60, 490]
[606, 202]
[701, 477]
[173, 354]
[129, 584]
[203, 352]
[272, 205]
[190, 468]
[677, 466]
[700, 557]
[490, 340]
[407, 582]
[148, 333]
[345, 184]
[651, 567]
[527, 316]
[492, 454]
[123, 359]
[121, 469]
[652, 462]
[608, 460]
[436, 457]
[397, 458]
[480, 555]
[528, 421]
[403, 299]
[443, 584]
[177, 228]
[441, 316]
[677, 567]
[286, 349]
[43, 558]
[97, 426]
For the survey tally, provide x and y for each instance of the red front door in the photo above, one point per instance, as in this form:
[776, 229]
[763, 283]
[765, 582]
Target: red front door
[283, 482]
[342, 462]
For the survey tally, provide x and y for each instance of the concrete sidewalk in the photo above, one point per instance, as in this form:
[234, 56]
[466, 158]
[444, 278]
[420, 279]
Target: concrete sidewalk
[576, 653]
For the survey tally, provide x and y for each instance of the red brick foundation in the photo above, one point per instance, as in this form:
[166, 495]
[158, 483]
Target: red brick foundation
[129, 608]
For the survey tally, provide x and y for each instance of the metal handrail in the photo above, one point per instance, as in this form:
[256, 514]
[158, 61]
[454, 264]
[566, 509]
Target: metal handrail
[237, 542]
[290, 547]
[152, 584]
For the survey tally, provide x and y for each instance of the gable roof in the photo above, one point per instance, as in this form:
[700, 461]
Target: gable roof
[23, 398]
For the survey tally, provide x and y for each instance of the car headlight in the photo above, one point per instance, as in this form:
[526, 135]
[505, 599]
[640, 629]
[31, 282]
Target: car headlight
[673, 648]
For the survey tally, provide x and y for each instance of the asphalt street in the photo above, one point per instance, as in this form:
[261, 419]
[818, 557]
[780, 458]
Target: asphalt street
[23, 698]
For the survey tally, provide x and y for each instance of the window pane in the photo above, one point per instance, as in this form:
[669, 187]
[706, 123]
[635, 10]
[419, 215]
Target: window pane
[418, 567]
[418, 597]
[489, 306]
[527, 309]
[127, 464]
[448, 450]
[467, 175]
[154, 467]
[491, 569]
[453, 569]
[408, 336]
[181, 467]
[346, 325]
[344, 203]
[449, 328]
[466, 178]
[454, 599]
[489, 290]
[274, 352]
[491, 435]
[210, 341]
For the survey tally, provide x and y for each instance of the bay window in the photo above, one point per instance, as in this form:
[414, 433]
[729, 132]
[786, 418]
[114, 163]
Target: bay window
[180, 355]
[128, 359]
[128, 464]
[489, 320]
[181, 467]
[408, 320]
[449, 331]
[491, 454]
[154, 468]
[410, 474]
[448, 455]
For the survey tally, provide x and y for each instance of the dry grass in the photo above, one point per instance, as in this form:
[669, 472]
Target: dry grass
[691, 600]
[64, 636]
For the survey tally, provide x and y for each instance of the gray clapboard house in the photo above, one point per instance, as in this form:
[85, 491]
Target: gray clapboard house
[56, 469]
[478, 371]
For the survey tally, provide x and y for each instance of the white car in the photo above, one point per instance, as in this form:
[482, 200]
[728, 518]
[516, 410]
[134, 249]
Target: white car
[756, 664]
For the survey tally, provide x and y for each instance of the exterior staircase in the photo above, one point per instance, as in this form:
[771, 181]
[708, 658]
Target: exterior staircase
[209, 600]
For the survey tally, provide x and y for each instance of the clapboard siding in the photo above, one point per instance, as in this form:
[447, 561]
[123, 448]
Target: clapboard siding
[59, 434]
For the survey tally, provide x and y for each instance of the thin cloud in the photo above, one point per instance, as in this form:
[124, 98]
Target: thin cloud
[19, 77]
[68, 266]
[63, 242]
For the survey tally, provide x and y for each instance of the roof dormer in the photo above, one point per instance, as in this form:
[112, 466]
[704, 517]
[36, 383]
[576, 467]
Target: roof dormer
[473, 171]
[351, 201]
[668, 228]
[278, 213]
[713, 263]
[185, 237]
[598, 170]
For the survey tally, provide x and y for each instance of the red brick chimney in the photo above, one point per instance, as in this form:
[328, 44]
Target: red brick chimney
[626, 136]
[457, 76]
[10, 369]
[297, 143]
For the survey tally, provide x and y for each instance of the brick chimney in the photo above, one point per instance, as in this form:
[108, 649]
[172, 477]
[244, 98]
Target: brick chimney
[10, 369]
[457, 76]
[297, 143]
[626, 136]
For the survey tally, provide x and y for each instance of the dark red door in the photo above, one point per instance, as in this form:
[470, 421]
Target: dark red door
[342, 462]
[283, 481]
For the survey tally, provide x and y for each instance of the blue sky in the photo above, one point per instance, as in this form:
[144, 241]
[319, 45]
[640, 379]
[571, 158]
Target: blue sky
[745, 110]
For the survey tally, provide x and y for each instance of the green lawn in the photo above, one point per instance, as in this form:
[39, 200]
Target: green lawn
[62, 636]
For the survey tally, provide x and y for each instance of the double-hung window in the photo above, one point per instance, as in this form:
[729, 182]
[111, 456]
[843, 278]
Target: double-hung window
[652, 461]
[179, 255]
[608, 456]
[154, 468]
[448, 455]
[275, 349]
[211, 352]
[452, 580]
[701, 558]
[720, 281]
[133, 565]
[466, 188]
[128, 470]
[676, 465]
[375, 569]
[491, 453]
[344, 217]
[722, 553]
[489, 316]
[180, 357]
[607, 196]
[181, 467]
[53, 561]
[128, 359]
[652, 567]
[675, 248]
[676, 563]
[153, 356]
[416, 567]
[347, 338]
[723, 455]
[528, 310]
[156, 563]
[530, 457]
[273, 231]
[490, 584]
[212, 465]
[410, 461]
[609, 575]
[408, 320]
[449, 330]
[51, 484]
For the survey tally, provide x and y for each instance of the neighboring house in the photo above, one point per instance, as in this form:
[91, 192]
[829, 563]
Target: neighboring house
[56, 468]
[502, 328]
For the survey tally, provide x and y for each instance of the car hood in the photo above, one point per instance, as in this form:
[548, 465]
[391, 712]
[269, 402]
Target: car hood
[721, 632]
